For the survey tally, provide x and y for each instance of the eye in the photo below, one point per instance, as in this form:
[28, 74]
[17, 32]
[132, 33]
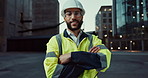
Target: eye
[68, 13]
[77, 13]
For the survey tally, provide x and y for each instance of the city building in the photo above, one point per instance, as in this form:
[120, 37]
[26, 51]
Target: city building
[130, 25]
[104, 24]
[23, 20]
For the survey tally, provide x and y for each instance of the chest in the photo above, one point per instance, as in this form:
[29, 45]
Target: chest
[68, 45]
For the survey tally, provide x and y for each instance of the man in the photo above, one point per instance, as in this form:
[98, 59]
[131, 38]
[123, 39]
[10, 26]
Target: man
[74, 53]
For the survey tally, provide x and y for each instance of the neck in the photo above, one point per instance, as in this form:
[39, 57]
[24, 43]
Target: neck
[75, 32]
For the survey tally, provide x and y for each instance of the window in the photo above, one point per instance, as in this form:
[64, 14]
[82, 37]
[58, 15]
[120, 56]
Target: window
[110, 20]
[104, 14]
[109, 9]
[105, 9]
[104, 20]
[110, 14]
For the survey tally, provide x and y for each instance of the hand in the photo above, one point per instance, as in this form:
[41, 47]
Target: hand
[94, 49]
[65, 58]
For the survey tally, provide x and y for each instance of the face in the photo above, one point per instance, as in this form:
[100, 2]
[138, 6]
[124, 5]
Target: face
[73, 18]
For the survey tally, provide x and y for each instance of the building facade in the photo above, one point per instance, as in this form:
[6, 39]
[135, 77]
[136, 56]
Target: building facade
[130, 25]
[104, 24]
[23, 18]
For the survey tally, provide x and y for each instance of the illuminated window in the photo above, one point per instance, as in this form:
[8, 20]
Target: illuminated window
[134, 43]
[105, 27]
[111, 30]
[109, 9]
[142, 26]
[97, 28]
[105, 9]
[105, 35]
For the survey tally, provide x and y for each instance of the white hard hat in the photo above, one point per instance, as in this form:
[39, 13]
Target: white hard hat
[72, 4]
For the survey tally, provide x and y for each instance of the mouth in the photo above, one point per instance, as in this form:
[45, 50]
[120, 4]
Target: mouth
[74, 23]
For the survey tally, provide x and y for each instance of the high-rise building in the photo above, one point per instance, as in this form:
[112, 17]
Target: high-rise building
[104, 24]
[130, 24]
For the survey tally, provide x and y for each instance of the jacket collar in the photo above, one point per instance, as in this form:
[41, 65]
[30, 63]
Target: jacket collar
[83, 35]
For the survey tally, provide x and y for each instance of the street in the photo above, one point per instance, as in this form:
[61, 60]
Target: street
[127, 65]
[21, 65]
[30, 65]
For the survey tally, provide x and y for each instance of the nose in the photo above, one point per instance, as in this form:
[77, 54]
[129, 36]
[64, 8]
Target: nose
[73, 16]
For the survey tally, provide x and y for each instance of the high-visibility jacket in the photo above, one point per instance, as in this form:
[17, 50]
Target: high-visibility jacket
[53, 69]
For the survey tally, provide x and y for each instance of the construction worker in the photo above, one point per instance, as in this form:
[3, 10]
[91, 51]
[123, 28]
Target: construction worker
[74, 53]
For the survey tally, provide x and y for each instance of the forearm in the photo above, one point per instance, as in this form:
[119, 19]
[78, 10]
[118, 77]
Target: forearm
[88, 60]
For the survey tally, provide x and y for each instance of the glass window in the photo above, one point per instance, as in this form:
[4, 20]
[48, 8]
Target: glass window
[110, 20]
[104, 21]
[110, 14]
[104, 14]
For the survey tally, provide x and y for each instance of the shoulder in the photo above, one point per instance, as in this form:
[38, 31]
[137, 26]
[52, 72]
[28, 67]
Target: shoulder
[96, 39]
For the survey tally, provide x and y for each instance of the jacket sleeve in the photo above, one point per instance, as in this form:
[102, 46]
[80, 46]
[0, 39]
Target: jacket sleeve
[103, 52]
[51, 66]
[86, 60]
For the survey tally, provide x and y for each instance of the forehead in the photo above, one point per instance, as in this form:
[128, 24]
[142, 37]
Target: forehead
[73, 9]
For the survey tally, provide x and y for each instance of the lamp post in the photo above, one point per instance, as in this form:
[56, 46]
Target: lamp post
[120, 41]
[142, 40]
[131, 45]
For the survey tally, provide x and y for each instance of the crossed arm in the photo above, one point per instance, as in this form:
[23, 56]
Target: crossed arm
[66, 58]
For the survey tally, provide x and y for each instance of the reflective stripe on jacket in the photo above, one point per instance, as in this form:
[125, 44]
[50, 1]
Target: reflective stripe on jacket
[53, 69]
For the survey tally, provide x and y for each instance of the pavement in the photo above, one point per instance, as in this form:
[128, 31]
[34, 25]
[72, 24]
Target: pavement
[30, 65]
[127, 65]
[22, 65]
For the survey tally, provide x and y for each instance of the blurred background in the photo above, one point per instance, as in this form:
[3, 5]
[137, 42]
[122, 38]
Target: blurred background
[27, 25]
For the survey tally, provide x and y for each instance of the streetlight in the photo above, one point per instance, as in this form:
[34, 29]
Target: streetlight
[105, 35]
[120, 36]
[120, 41]
[111, 48]
[119, 48]
[142, 41]
[131, 45]
[126, 48]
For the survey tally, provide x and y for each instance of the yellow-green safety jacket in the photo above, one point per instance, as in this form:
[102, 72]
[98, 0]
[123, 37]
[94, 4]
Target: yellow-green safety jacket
[53, 69]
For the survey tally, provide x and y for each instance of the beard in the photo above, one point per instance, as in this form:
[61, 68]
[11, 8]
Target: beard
[73, 29]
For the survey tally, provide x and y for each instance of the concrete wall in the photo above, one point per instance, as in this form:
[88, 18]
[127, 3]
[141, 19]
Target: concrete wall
[2, 27]
[45, 14]
[20, 15]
